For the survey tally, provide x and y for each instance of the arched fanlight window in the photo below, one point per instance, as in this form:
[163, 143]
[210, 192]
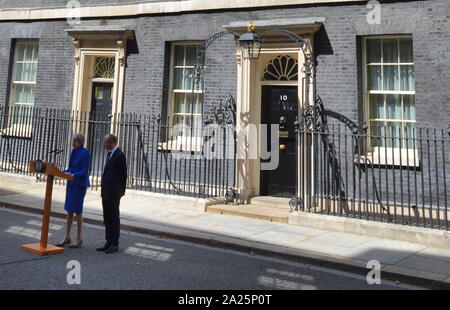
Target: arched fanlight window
[104, 67]
[281, 68]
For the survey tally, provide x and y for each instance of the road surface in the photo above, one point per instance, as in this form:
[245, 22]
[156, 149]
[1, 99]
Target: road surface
[148, 262]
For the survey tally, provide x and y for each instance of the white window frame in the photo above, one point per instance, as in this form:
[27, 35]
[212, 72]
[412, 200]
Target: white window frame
[185, 142]
[20, 130]
[380, 155]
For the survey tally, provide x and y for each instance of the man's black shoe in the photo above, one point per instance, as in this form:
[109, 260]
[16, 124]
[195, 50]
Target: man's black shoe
[104, 248]
[112, 249]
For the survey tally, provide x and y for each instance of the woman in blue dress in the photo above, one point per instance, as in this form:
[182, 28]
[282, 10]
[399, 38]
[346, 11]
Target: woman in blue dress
[76, 189]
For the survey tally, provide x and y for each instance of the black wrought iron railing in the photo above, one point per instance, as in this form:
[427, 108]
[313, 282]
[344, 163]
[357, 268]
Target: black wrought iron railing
[161, 157]
[397, 177]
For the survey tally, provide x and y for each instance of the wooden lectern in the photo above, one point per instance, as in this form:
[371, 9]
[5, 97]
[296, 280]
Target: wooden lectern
[42, 248]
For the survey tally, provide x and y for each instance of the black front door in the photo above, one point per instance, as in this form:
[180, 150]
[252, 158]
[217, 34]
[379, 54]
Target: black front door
[280, 106]
[100, 122]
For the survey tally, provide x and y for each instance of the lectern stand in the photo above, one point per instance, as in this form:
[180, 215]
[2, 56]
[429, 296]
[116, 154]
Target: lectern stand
[42, 248]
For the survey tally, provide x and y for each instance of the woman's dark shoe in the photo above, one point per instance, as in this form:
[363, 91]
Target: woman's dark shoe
[63, 243]
[76, 245]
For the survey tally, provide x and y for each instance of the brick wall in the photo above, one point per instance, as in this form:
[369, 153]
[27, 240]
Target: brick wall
[336, 47]
[54, 81]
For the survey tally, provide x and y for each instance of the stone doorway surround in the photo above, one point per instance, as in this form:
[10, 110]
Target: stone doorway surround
[95, 42]
[249, 86]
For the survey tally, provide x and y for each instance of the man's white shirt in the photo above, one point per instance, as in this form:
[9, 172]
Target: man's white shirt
[112, 151]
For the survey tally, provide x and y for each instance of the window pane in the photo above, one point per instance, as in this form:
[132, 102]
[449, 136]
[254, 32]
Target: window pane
[180, 103]
[393, 134]
[22, 72]
[188, 79]
[20, 51]
[188, 121]
[409, 107]
[197, 109]
[377, 133]
[191, 55]
[22, 114]
[178, 125]
[25, 72]
[27, 51]
[178, 120]
[393, 107]
[178, 78]
[26, 62]
[374, 51]
[24, 94]
[410, 135]
[104, 67]
[374, 78]
[407, 78]
[179, 55]
[35, 53]
[183, 103]
[406, 50]
[390, 50]
[183, 79]
[98, 92]
[376, 103]
[28, 55]
[390, 78]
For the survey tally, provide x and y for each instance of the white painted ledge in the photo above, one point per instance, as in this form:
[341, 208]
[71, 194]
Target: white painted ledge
[136, 9]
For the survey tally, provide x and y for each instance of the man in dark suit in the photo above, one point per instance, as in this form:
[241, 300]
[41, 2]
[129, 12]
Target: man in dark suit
[113, 185]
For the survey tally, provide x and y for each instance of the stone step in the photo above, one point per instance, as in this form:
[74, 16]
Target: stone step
[273, 202]
[261, 212]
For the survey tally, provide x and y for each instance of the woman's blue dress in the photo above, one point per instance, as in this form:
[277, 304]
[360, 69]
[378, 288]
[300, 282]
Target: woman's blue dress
[76, 189]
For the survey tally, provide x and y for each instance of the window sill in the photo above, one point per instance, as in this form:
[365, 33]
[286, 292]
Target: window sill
[389, 157]
[17, 131]
[182, 144]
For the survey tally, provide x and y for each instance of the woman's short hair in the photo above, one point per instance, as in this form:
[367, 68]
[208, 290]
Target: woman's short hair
[79, 137]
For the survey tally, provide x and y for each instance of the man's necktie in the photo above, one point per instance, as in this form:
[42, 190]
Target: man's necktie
[108, 156]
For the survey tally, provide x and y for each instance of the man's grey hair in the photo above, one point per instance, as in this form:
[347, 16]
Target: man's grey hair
[78, 137]
[111, 138]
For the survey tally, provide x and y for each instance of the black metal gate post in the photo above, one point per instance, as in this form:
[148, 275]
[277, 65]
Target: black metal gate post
[305, 148]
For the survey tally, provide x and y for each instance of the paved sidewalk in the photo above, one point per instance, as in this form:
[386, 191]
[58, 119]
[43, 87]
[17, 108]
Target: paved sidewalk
[403, 261]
